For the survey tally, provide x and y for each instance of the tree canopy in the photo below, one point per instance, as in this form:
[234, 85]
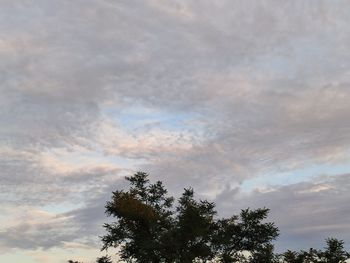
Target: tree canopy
[150, 227]
[334, 252]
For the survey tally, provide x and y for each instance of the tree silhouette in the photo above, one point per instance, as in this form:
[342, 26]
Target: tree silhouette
[334, 253]
[104, 259]
[265, 254]
[292, 257]
[149, 228]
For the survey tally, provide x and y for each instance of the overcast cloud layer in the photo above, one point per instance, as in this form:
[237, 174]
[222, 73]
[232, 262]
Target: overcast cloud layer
[247, 101]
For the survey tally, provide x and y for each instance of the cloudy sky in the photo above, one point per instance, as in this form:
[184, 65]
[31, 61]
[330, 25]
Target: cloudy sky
[246, 101]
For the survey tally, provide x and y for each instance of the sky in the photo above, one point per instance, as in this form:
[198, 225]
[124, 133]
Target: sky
[246, 101]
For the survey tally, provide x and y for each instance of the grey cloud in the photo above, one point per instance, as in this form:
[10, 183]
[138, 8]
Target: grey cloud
[35, 236]
[266, 82]
[306, 212]
[82, 226]
[158, 56]
[25, 181]
[277, 133]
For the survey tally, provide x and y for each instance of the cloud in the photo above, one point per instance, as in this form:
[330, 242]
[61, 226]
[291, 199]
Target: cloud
[39, 230]
[306, 213]
[41, 178]
[197, 93]
[79, 228]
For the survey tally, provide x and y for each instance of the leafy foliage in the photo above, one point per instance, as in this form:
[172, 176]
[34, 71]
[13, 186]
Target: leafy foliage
[104, 259]
[148, 228]
[334, 252]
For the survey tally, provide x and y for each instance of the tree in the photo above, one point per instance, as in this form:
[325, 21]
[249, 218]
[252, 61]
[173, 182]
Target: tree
[104, 259]
[293, 257]
[334, 252]
[264, 254]
[149, 228]
[245, 232]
